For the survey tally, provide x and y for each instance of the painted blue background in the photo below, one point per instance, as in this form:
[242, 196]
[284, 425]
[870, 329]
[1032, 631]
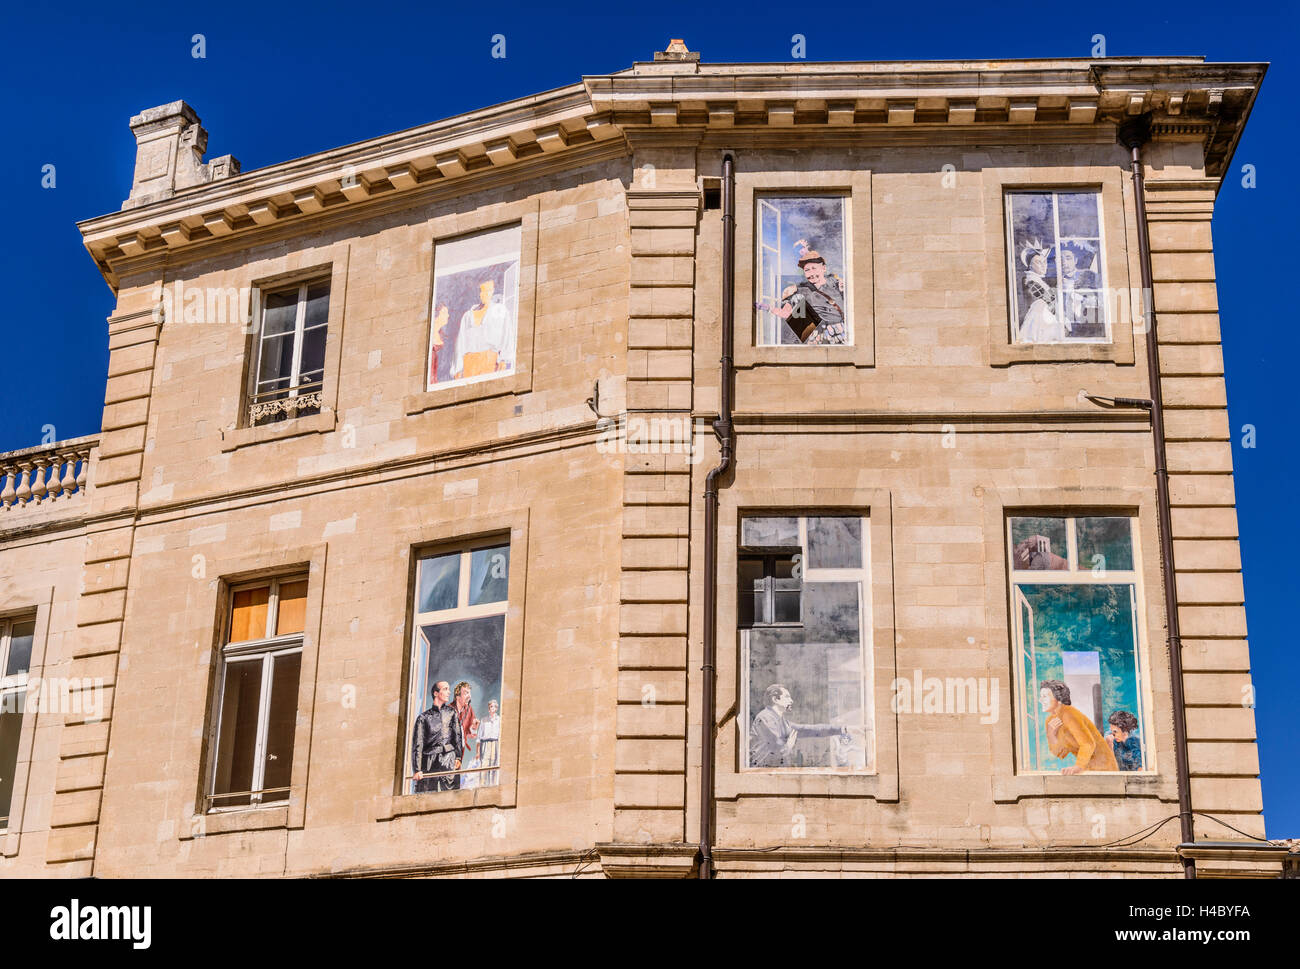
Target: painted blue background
[282, 81]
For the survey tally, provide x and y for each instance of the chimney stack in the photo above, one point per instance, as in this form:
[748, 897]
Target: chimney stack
[170, 144]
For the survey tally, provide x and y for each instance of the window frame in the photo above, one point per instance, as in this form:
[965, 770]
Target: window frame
[768, 560]
[1078, 173]
[458, 219]
[866, 633]
[268, 647]
[295, 388]
[1073, 575]
[452, 384]
[15, 685]
[854, 184]
[1012, 256]
[759, 317]
[461, 612]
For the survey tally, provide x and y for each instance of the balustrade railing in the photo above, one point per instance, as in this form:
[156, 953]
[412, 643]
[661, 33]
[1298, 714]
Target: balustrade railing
[46, 475]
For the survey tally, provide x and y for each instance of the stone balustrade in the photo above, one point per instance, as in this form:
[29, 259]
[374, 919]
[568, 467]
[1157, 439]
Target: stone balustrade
[45, 475]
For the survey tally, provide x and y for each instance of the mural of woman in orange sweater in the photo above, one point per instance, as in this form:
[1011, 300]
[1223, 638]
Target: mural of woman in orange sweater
[1071, 732]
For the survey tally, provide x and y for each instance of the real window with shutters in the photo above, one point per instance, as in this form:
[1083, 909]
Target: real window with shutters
[257, 694]
[289, 362]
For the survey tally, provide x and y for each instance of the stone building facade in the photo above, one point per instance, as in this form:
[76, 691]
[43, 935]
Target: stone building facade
[330, 492]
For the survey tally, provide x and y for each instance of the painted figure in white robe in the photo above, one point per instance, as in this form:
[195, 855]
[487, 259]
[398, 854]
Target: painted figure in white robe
[1040, 324]
[485, 343]
[489, 744]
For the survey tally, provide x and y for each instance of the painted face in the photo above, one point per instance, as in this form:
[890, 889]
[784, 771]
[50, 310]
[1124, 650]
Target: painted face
[785, 701]
[815, 272]
[1120, 735]
[463, 697]
[443, 692]
[492, 708]
[1038, 264]
[485, 291]
[1046, 698]
[1068, 262]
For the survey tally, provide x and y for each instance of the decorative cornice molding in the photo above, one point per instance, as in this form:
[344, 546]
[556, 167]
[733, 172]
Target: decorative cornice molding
[679, 103]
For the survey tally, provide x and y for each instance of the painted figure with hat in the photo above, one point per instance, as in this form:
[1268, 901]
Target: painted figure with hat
[814, 308]
[1080, 307]
[1040, 324]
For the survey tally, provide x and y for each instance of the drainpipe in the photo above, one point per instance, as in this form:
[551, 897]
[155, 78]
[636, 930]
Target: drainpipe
[723, 429]
[1133, 134]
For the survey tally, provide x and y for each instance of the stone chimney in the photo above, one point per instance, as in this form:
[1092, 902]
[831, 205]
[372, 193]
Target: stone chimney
[170, 144]
[677, 52]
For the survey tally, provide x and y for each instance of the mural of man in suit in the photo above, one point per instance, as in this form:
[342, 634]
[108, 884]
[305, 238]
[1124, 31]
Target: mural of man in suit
[437, 744]
[772, 737]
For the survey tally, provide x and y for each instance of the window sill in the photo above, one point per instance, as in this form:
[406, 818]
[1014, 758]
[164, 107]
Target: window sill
[748, 356]
[435, 802]
[234, 438]
[426, 400]
[1004, 355]
[248, 819]
[880, 787]
[1008, 790]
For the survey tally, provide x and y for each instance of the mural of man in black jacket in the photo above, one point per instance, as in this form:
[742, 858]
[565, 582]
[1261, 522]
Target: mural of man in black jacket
[438, 743]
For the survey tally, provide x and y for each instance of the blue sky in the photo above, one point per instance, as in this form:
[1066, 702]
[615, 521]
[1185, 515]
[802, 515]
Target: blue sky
[281, 81]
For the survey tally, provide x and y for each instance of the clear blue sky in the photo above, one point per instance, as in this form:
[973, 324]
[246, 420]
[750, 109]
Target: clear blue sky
[281, 81]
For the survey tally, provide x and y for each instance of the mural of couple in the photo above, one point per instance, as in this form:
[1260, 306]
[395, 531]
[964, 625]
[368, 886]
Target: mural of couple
[475, 310]
[802, 251]
[1056, 266]
[1076, 623]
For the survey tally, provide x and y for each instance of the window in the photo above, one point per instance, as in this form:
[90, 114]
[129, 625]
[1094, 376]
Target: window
[290, 369]
[1056, 267]
[805, 621]
[771, 591]
[16, 637]
[1076, 604]
[457, 658]
[475, 312]
[257, 699]
[802, 254]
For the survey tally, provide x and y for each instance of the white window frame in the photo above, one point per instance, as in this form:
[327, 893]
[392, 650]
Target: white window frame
[1075, 576]
[269, 647]
[458, 613]
[13, 689]
[1013, 256]
[866, 623]
[770, 325]
[509, 294]
[296, 386]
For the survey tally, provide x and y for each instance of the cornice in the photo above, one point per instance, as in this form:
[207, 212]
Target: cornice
[684, 103]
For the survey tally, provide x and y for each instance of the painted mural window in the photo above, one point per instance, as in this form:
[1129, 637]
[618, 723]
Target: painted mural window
[457, 657]
[257, 699]
[1056, 264]
[475, 308]
[290, 371]
[804, 617]
[16, 638]
[802, 258]
[1082, 704]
